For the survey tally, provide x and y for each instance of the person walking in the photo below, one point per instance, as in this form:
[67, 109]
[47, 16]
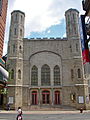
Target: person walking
[19, 116]
[8, 106]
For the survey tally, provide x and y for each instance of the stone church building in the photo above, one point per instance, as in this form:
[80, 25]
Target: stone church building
[46, 72]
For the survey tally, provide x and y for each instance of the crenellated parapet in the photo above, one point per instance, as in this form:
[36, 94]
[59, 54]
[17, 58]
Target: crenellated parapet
[46, 38]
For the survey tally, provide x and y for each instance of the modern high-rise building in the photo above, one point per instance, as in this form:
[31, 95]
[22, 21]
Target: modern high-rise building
[3, 72]
[3, 13]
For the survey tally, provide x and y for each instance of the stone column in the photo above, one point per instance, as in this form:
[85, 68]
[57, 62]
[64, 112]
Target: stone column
[52, 92]
[39, 97]
[28, 97]
[52, 79]
[39, 76]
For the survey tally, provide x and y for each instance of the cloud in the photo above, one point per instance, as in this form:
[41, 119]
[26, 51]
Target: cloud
[41, 14]
[64, 35]
[48, 31]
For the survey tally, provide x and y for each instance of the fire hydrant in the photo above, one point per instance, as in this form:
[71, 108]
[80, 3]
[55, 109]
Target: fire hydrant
[81, 110]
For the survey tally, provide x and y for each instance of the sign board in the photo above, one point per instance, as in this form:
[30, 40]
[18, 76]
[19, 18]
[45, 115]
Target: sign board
[87, 99]
[10, 100]
[81, 99]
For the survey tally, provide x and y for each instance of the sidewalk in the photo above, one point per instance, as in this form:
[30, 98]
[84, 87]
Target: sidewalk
[45, 112]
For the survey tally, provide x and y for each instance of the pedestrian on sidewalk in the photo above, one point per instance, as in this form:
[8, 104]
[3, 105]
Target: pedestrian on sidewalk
[8, 106]
[19, 116]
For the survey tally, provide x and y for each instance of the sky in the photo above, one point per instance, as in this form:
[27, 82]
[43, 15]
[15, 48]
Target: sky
[43, 18]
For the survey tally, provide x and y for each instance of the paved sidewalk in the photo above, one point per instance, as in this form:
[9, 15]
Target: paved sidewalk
[46, 112]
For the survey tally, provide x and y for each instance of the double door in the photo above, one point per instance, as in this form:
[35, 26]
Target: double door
[46, 97]
[57, 97]
[34, 97]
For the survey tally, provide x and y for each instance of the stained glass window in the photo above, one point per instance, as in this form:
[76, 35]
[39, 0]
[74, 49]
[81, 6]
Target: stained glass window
[79, 73]
[45, 75]
[12, 74]
[72, 74]
[57, 75]
[34, 75]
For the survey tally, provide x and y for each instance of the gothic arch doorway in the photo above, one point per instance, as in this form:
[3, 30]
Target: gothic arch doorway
[57, 97]
[46, 97]
[34, 98]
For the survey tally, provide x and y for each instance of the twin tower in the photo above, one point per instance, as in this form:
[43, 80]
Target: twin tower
[18, 18]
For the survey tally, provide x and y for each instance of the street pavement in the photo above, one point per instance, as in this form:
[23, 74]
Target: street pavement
[46, 115]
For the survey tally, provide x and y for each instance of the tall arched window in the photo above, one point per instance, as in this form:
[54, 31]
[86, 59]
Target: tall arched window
[70, 48]
[79, 73]
[76, 47]
[13, 48]
[21, 18]
[20, 49]
[57, 75]
[19, 74]
[16, 17]
[20, 32]
[12, 74]
[34, 75]
[45, 75]
[72, 74]
[15, 31]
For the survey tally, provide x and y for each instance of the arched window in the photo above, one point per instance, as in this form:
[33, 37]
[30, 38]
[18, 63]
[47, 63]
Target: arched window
[20, 48]
[15, 31]
[21, 18]
[20, 32]
[12, 74]
[13, 48]
[72, 74]
[19, 74]
[16, 17]
[57, 75]
[45, 75]
[70, 48]
[76, 47]
[34, 75]
[79, 73]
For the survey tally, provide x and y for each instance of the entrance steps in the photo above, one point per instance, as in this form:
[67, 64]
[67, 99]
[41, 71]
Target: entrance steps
[50, 108]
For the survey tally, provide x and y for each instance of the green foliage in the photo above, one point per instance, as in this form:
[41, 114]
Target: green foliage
[3, 91]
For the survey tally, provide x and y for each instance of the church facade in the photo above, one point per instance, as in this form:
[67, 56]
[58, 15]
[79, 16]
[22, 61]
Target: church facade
[46, 72]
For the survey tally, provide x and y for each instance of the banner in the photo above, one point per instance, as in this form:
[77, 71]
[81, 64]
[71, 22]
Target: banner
[84, 41]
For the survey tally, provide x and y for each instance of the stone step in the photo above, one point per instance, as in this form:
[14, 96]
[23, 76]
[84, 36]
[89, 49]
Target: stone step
[51, 108]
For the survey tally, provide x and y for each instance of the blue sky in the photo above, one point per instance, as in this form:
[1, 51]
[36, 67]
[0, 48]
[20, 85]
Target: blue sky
[53, 31]
[43, 18]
